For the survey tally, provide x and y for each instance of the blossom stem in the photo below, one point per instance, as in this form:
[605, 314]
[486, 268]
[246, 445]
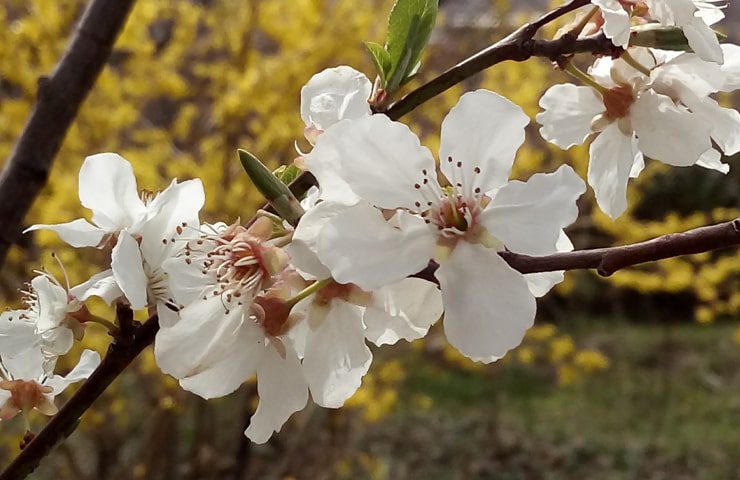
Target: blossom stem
[26, 420]
[634, 63]
[309, 290]
[575, 31]
[112, 328]
[585, 78]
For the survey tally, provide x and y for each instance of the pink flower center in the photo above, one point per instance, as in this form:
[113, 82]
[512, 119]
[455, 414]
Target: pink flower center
[234, 258]
[618, 101]
[25, 395]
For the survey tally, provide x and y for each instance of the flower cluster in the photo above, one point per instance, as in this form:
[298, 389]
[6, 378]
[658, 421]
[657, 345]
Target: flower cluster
[33, 338]
[296, 306]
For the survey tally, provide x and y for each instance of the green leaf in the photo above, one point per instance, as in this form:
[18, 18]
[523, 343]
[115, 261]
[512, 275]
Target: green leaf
[409, 27]
[654, 35]
[287, 173]
[381, 59]
[274, 190]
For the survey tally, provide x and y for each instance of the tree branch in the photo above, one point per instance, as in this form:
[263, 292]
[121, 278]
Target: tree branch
[123, 350]
[518, 46]
[606, 261]
[59, 98]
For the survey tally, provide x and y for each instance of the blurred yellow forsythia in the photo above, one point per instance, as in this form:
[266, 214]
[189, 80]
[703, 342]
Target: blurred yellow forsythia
[191, 81]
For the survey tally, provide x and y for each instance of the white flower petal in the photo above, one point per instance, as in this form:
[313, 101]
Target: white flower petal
[638, 165]
[77, 233]
[488, 305]
[601, 71]
[176, 206]
[101, 285]
[529, 216]
[200, 338]
[483, 131]
[379, 159]
[333, 95]
[612, 156]
[28, 364]
[166, 314]
[360, 247]
[187, 281]
[108, 188]
[52, 303]
[616, 21]
[731, 67]
[568, 113]
[541, 283]
[282, 391]
[724, 122]
[238, 362]
[17, 334]
[703, 40]
[404, 310]
[687, 74]
[128, 270]
[655, 118]
[336, 356]
[712, 160]
[303, 248]
[709, 12]
[89, 361]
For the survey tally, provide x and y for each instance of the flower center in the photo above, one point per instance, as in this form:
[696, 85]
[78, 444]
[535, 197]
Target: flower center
[345, 291]
[456, 216]
[618, 101]
[233, 258]
[25, 395]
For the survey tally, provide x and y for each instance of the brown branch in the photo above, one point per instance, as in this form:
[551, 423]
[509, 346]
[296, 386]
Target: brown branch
[606, 261]
[59, 98]
[518, 46]
[122, 351]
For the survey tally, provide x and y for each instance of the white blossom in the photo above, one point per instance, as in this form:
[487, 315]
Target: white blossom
[145, 230]
[693, 17]
[333, 324]
[333, 95]
[630, 118]
[26, 385]
[488, 305]
[220, 340]
[51, 322]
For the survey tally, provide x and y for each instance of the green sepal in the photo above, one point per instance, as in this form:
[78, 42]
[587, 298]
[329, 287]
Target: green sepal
[287, 173]
[271, 187]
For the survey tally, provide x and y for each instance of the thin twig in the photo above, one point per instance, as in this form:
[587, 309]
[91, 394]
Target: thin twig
[59, 98]
[606, 261]
[518, 46]
[122, 351]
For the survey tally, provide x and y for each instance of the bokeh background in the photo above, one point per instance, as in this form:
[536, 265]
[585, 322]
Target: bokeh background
[631, 377]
